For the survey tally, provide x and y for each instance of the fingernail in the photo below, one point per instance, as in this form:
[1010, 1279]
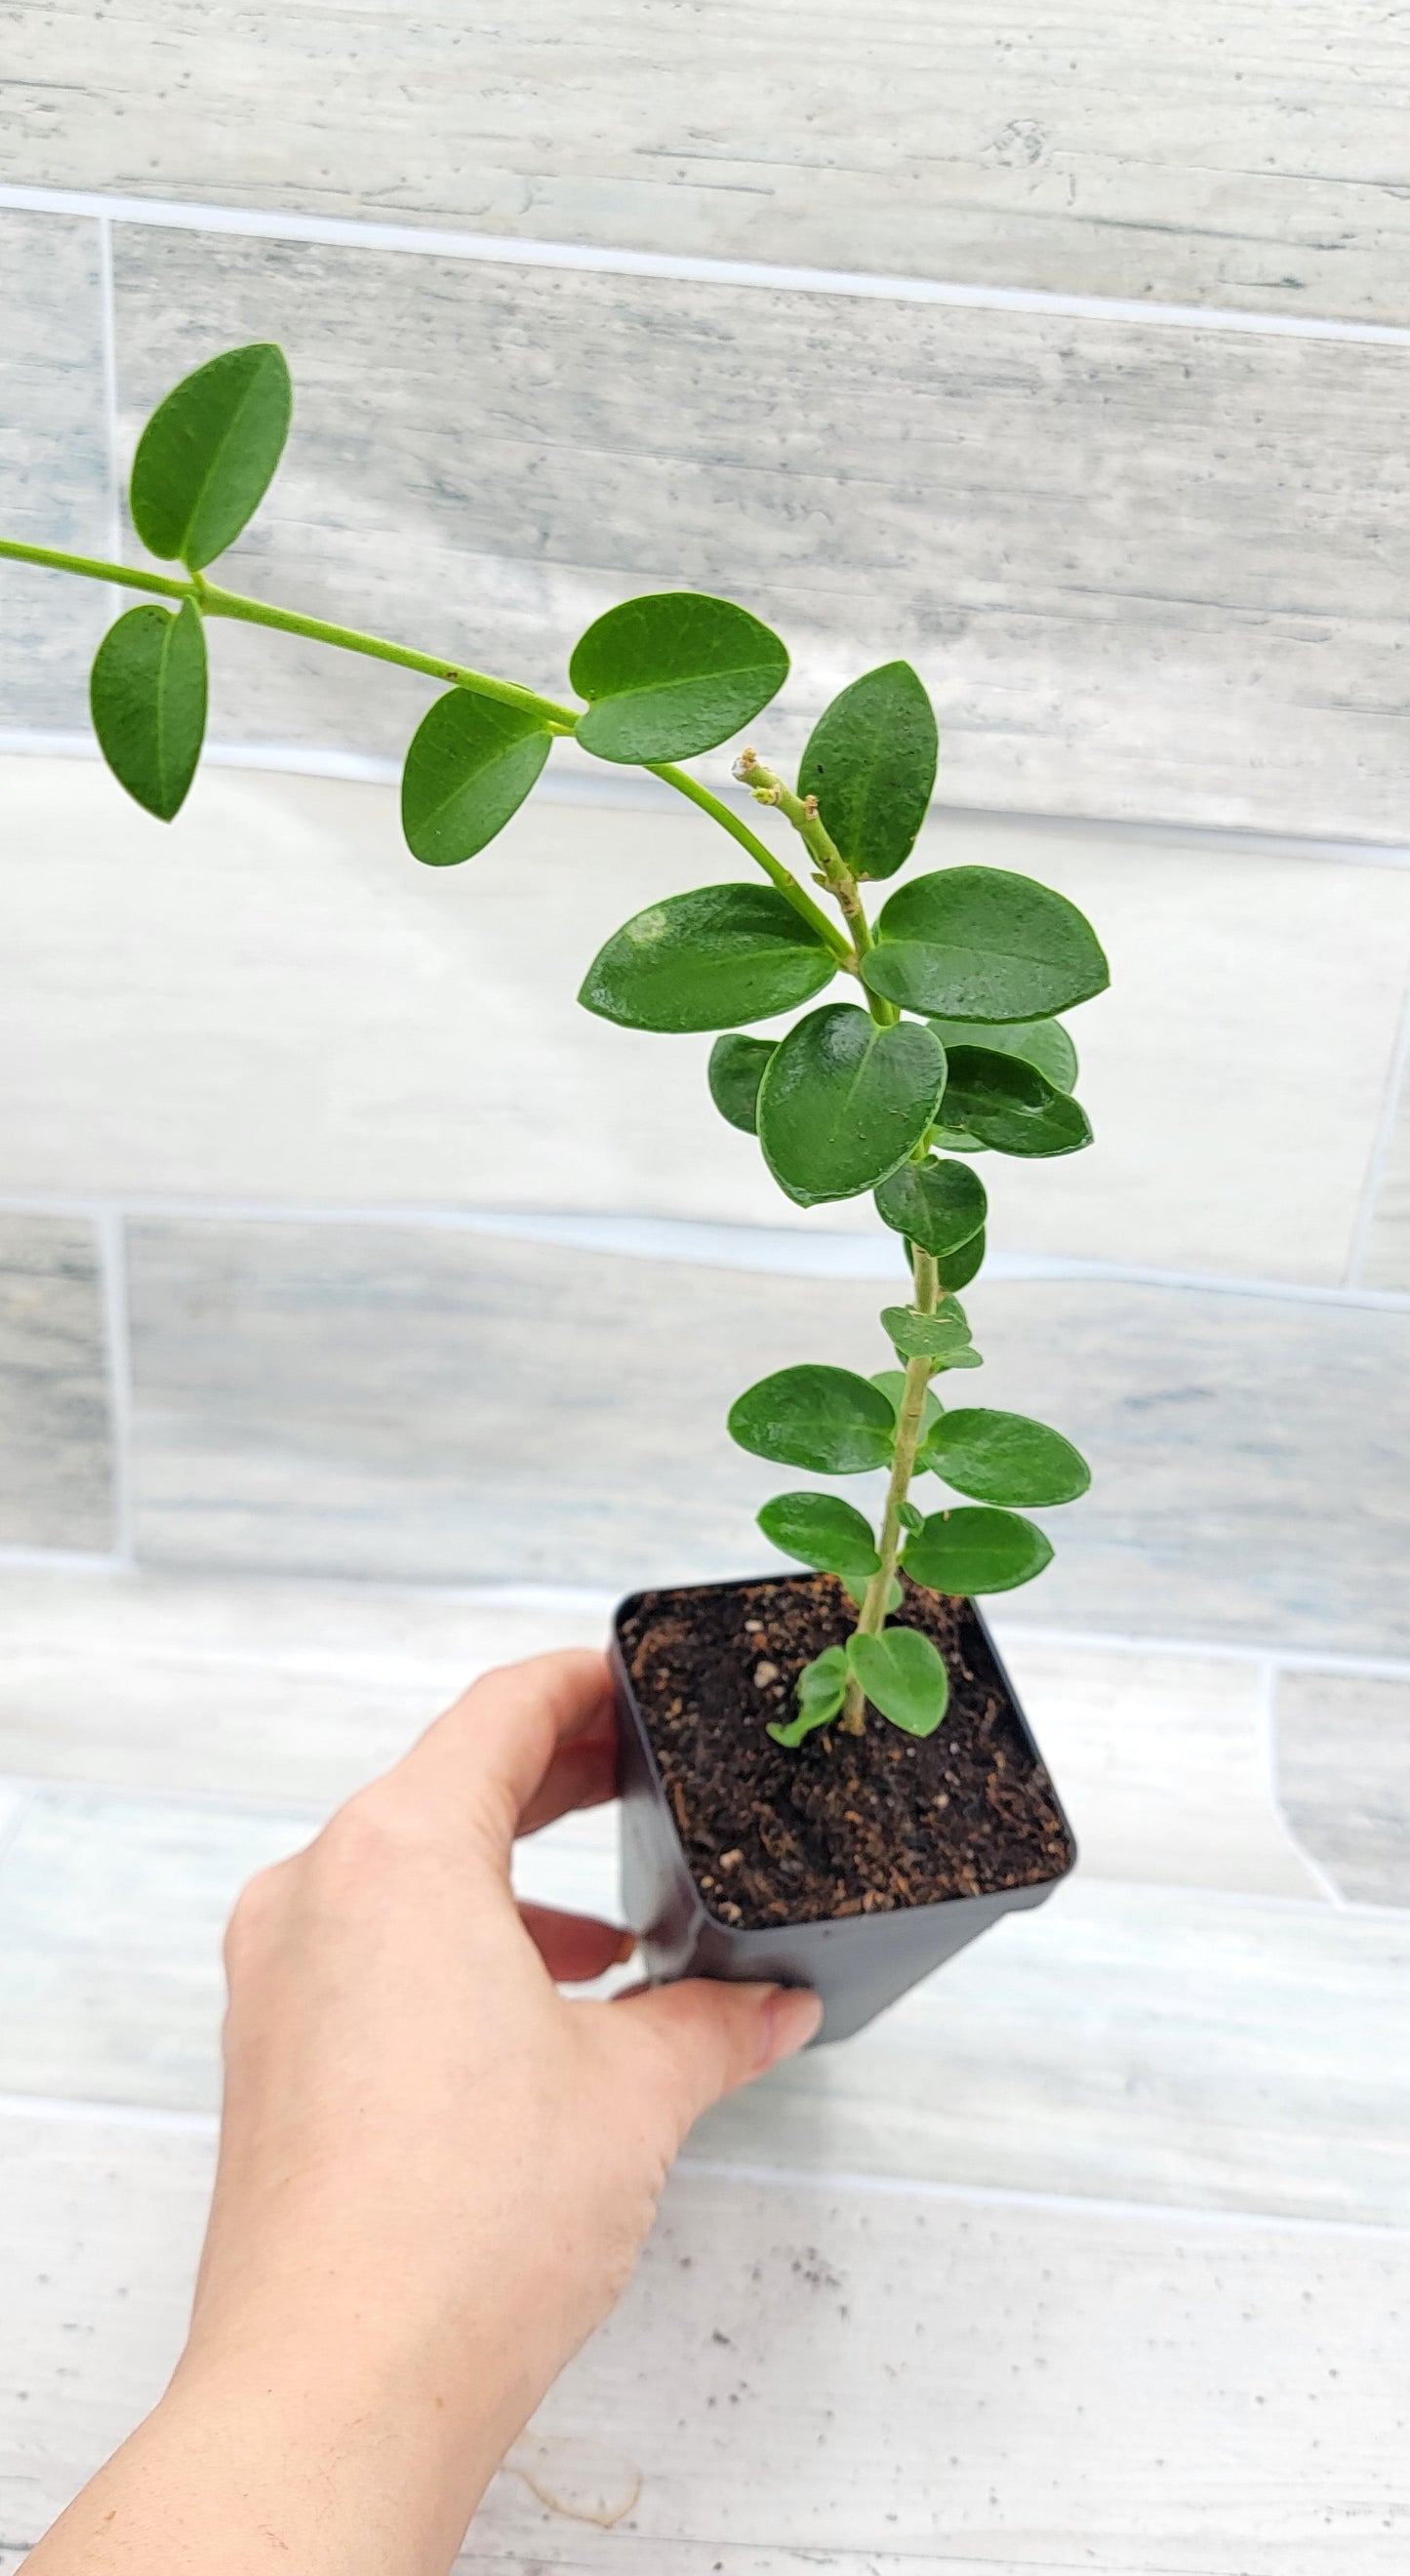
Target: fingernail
[790, 2021]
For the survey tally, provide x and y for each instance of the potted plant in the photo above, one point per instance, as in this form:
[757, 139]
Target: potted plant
[826, 1775]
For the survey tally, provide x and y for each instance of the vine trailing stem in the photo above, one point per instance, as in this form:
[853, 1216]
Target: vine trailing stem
[909, 1419]
[215, 602]
[831, 868]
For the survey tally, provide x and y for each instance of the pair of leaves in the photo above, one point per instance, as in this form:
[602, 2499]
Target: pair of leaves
[1004, 1458]
[974, 1550]
[900, 1672]
[981, 944]
[824, 1419]
[822, 1531]
[671, 675]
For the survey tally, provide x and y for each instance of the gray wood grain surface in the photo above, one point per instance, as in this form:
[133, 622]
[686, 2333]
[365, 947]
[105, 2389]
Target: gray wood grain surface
[1149, 573]
[1227, 155]
[54, 1435]
[387, 1400]
[1344, 1778]
[55, 487]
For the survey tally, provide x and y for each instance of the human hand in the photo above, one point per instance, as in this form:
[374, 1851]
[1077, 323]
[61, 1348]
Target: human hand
[435, 2171]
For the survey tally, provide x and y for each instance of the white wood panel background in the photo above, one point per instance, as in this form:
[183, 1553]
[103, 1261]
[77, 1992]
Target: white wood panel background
[1228, 153]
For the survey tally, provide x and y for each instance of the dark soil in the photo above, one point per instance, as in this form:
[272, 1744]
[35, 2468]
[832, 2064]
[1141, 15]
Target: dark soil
[845, 1824]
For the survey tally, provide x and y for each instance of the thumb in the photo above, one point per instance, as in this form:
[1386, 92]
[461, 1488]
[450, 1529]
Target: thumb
[703, 2039]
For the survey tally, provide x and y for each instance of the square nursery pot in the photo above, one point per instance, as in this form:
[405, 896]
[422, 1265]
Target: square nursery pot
[693, 1708]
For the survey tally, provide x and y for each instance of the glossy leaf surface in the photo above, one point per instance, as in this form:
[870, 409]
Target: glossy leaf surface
[700, 961]
[972, 1550]
[1009, 1105]
[147, 694]
[844, 1102]
[736, 1070]
[821, 1689]
[673, 674]
[470, 766]
[903, 1675]
[958, 1268]
[981, 944]
[1005, 1458]
[870, 762]
[1044, 1043]
[821, 1418]
[822, 1531]
[207, 456]
[939, 1205]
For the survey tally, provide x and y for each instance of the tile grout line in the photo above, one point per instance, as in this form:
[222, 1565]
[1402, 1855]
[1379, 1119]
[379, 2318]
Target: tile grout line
[109, 1226]
[429, 241]
[1381, 1145]
[772, 1251]
[108, 324]
[626, 793]
[1268, 1733]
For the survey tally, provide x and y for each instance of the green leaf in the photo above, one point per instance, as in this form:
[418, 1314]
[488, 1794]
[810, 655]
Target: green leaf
[980, 944]
[671, 675]
[470, 766]
[937, 1205]
[844, 1102]
[956, 1140]
[958, 1268]
[1012, 1106]
[207, 456]
[698, 961]
[735, 1072]
[1044, 1043]
[972, 1550]
[1005, 1458]
[858, 1593]
[821, 1689]
[870, 762]
[822, 1531]
[148, 699]
[892, 1383]
[964, 1356]
[903, 1675]
[908, 1516]
[922, 1337]
[821, 1418]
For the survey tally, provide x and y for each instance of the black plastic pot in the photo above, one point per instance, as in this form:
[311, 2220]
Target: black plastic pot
[858, 1964]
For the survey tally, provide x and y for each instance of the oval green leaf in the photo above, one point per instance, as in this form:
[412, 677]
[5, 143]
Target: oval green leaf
[870, 762]
[672, 675]
[923, 1337]
[1010, 1105]
[736, 1070]
[470, 766]
[821, 1688]
[937, 1205]
[858, 1592]
[972, 1550]
[148, 699]
[822, 1531]
[980, 944]
[698, 961]
[958, 1268]
[903, 1676]
[1005, 1458]
[207, 456]
[844, 1102]
[1044, 1043]
[824, 1419]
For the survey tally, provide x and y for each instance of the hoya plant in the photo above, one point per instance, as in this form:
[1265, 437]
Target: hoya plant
[930, 1031]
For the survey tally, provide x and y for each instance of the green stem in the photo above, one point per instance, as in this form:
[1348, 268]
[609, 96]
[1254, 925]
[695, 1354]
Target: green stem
[214, 602]
[832, 869]
[909, 1419]
[759, 851]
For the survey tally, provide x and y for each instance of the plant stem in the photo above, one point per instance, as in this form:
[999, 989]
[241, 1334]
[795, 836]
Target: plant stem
[760, 852]
[909, 1419]
[214, 602]
[832, 869]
